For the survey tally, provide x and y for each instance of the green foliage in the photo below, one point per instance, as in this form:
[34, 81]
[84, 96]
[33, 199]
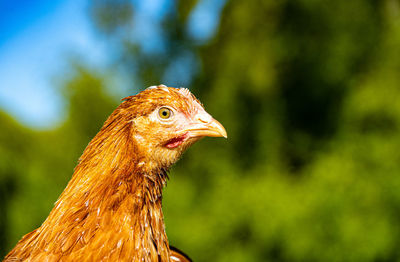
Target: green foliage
[36, 165]
[308, 92]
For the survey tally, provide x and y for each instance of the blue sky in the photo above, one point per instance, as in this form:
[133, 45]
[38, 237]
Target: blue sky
[37, 37]
[34, 44]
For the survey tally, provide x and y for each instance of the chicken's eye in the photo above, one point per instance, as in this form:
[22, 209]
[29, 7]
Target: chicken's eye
[165, 113]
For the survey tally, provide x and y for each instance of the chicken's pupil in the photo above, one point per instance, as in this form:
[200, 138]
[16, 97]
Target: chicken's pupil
[164, 113]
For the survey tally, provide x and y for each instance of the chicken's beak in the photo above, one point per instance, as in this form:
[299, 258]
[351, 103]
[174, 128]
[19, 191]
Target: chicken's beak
[205, 125]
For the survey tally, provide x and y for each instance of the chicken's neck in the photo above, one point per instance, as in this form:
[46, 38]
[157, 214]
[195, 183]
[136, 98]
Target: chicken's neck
[111, 202]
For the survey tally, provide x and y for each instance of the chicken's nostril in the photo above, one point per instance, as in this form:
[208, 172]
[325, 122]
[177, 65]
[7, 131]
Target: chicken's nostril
[204, 118]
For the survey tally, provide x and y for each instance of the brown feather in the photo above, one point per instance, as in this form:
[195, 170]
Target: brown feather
[111, 208]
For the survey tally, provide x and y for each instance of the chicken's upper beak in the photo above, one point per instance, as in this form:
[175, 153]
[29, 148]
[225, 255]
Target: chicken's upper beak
[205, 125]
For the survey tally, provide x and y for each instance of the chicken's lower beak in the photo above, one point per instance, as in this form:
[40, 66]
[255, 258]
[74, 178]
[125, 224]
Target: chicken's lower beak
[211, 128]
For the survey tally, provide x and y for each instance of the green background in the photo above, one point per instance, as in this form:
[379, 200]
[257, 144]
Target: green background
[309, 93]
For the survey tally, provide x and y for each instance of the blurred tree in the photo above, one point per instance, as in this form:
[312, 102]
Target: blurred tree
[15, 141]
[110, 16]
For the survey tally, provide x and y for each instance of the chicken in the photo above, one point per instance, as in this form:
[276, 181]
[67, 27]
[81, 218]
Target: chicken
[111, 207]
